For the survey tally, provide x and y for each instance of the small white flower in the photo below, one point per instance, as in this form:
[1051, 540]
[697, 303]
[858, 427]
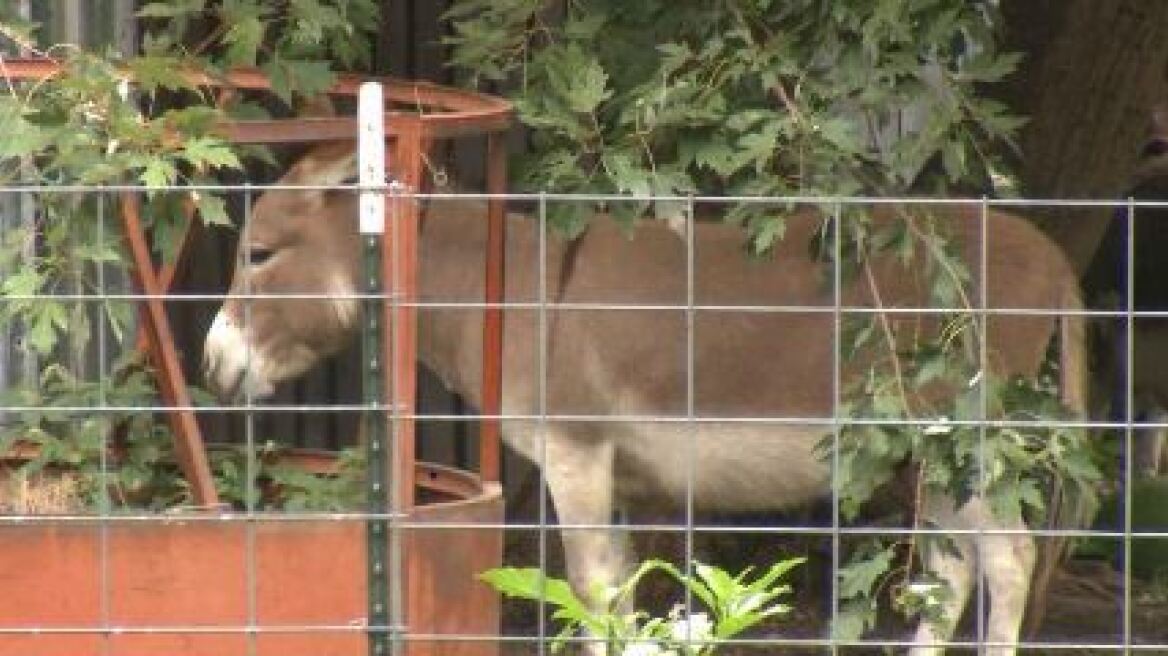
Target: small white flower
[942, 427]
[975, 380]
[697, 627]
[926, 592]
[642, 649]
[923, 588]
[90, 111]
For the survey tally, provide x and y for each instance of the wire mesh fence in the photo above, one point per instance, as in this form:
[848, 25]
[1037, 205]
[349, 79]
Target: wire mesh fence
[667, 393]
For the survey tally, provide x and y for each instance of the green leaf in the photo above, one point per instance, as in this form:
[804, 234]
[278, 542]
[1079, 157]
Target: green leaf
[577, 79]
[158, 172]
[674, 55]
[767, 231]
[932, 368]
[626, 175]
[718, 157]
[1004, 498]
[626, 213]
[531, 584]
[26, 281]
[776, 572]
[721, 585]
[568, 219]
[990, 67]
[840, 133]
[589, 88]
[859, 577]
[193, 121]
[298, 76]
[855, 617]
[157, 71]
[953, 160]
[243, 39]
[203, 152]
[213, 210]
[47, 320]
[1031, 495]
[20, 137]
[760, 145]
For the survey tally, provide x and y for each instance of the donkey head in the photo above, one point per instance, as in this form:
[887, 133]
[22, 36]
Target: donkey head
[297, 243]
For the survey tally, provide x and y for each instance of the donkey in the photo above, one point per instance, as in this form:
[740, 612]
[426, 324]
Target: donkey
[632, 362]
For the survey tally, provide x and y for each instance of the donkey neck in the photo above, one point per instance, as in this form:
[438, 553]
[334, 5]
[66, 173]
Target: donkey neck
[452, 262]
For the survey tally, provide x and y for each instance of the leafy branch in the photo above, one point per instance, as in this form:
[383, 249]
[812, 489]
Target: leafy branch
[809, 97]
[918, 370]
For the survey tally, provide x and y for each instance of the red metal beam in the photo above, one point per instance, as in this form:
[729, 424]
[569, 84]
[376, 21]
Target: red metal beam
[493, 315]
[190, 450]
[169, 271]
[400, 275]
[447, 112]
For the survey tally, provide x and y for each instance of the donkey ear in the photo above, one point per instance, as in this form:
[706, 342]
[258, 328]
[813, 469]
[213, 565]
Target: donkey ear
[330, 164]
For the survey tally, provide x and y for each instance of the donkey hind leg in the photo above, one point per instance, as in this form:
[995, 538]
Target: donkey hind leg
[1149, 452]
[1009, 561]
[953, 563]
[1007, 564]
[580, 479]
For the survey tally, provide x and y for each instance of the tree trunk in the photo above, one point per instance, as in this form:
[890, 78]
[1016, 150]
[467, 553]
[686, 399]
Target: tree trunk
[1092, 74]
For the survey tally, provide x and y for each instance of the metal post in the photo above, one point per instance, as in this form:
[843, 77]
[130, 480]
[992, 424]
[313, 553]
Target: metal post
[371, 172]
[399, 274]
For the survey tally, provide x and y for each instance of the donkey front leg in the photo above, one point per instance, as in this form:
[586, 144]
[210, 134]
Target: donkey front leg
[580, 479]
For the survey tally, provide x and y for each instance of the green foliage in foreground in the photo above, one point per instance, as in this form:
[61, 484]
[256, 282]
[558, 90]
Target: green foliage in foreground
[733, 604]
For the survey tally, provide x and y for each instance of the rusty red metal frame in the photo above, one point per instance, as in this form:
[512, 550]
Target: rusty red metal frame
[190, 451]
[418, 114]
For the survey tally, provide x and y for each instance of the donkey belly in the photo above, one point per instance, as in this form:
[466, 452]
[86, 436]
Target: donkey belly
[726, 467]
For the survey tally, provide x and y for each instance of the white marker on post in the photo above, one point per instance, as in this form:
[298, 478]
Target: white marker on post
[371, 157]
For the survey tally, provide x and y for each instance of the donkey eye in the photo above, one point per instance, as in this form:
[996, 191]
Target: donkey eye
[258, 255]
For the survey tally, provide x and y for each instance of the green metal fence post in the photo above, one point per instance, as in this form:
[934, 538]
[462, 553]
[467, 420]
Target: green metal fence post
[371, 161]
